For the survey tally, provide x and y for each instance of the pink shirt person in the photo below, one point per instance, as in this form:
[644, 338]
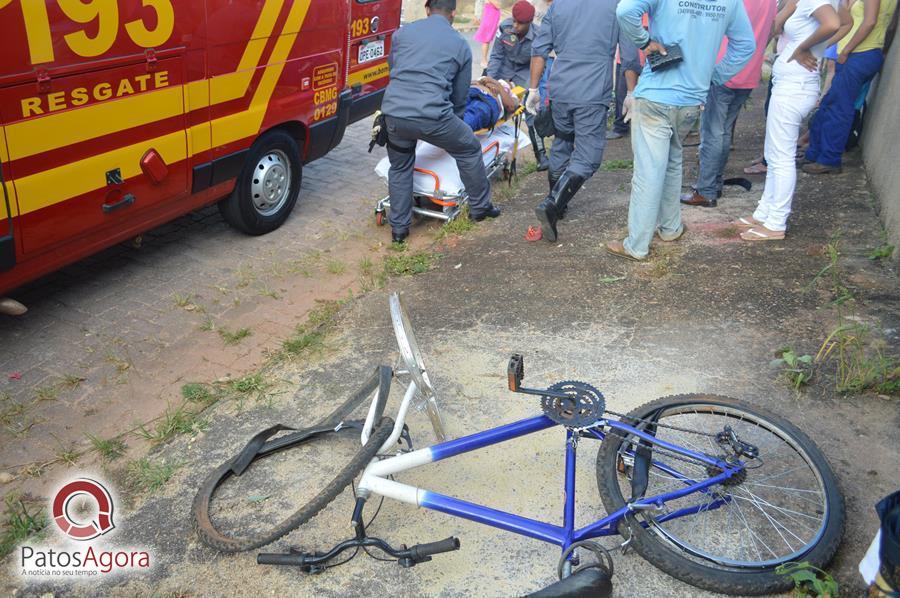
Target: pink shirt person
[762, 15]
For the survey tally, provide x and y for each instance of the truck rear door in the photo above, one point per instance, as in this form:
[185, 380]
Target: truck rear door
[371, 24]
[92, 97]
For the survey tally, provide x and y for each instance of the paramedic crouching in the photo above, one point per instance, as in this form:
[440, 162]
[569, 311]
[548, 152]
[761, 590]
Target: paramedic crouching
[431, 69]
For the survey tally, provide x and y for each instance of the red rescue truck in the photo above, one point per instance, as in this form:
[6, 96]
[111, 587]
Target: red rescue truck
[119, 115]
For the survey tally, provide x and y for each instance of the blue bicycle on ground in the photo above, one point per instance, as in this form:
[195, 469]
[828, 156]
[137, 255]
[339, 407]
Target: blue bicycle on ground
[711, 490]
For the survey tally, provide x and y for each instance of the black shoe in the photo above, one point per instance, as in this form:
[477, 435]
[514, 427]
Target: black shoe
[552, 180]
[555, 204]
[492, 212]
[399, 237]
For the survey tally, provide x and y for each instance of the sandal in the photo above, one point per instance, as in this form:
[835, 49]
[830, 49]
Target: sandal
[534, 233]
[762, 234]
[756, 169]
[747, 222]
[618, 249]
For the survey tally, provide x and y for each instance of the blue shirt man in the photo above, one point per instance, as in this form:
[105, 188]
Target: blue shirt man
[668, 103]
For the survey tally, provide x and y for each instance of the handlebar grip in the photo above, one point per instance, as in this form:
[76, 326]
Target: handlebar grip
[269, 558]
[421, 551]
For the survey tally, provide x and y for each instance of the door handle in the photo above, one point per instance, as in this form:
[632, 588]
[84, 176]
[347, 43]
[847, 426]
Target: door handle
[127, 200]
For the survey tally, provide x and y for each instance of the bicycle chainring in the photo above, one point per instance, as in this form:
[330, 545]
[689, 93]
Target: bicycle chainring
[583, 408]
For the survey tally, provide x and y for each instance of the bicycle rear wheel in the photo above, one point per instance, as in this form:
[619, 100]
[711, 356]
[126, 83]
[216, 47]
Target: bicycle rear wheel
[787, 507]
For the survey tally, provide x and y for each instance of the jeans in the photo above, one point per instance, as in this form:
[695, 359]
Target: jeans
[831, 126]
[450, 134]
[723, 105]
[657, 133]
[791, 102]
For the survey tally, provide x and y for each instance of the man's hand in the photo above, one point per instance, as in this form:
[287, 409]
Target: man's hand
[533, 101]
[842, 58]
[806, 59]
[627, 105]
[655, 48]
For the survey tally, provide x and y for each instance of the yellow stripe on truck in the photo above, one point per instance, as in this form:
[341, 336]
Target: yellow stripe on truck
[46, 133]
[234, 85]
[244, 124]
[44, 189]
[53, 131]
[368, 75]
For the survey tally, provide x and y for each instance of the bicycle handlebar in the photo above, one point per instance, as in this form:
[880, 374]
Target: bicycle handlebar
[269, 558]
[420, 552]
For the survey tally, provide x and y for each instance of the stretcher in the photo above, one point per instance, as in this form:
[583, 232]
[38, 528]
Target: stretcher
[438, 191]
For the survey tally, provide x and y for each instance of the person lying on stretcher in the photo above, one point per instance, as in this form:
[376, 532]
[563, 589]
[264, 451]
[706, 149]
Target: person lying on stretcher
[489, 100]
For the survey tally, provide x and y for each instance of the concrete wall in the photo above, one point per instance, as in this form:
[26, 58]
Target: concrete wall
[881, 144]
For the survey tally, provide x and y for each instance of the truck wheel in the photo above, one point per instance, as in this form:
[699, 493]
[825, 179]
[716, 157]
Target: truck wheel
[268, 186]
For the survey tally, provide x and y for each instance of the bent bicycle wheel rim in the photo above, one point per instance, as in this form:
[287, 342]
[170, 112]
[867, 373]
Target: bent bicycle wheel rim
[742, 531]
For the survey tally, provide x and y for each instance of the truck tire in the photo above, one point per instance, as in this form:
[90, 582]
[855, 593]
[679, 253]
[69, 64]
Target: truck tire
[268, 186]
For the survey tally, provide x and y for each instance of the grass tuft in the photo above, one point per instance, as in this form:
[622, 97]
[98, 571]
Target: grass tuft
[109, 449]
[409, 264]
[18, 523]
[234, 337]
[145, 476]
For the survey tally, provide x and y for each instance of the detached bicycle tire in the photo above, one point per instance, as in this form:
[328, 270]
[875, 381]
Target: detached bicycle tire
[260, 447]
[648, 540]
[214, 538]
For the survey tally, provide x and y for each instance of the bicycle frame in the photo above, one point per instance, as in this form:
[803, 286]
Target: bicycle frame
[375, 479]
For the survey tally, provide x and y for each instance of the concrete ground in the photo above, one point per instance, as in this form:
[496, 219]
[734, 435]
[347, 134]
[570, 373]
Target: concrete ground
[706, 314]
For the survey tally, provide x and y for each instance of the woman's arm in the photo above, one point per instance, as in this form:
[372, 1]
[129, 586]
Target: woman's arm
[846, 23]
[870, 19]
[783, 15]
[829, 23]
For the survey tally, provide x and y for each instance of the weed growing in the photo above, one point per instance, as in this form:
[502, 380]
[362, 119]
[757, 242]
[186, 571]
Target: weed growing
[18, 523]
[809, 580]
[234, 337]
[409, 264]
[144, 475]
[109, 449]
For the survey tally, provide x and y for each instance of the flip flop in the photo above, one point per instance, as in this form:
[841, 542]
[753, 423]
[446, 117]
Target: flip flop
[747, 222]
[756, 169]
[762, 234]
[618, 249]
[534, 233]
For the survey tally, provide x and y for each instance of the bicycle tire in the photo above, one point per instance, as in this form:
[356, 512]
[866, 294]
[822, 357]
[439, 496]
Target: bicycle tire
[670, 558]
[213, 538]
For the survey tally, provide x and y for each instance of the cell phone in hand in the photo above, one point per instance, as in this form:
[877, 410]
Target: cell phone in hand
[658, 62]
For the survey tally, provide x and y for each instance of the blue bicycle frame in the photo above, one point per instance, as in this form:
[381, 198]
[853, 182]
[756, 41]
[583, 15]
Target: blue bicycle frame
[375, 481]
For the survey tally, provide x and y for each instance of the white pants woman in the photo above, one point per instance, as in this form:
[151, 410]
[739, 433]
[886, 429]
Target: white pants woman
[791, 102]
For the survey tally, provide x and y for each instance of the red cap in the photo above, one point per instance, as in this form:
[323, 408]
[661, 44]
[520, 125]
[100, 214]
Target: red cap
[523, 12]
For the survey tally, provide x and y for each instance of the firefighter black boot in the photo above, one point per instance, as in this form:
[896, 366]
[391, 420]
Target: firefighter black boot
[540, 152]
[552, 179]
[548, 211]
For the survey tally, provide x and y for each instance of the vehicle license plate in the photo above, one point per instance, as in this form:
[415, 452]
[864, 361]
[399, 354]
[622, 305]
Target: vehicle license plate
[371, 51]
